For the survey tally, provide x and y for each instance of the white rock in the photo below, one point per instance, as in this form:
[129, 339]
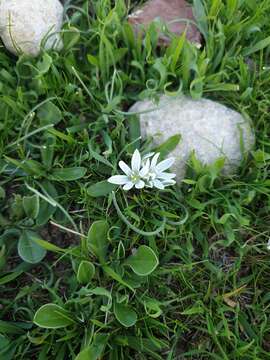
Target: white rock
[26, 24]
[210, 129]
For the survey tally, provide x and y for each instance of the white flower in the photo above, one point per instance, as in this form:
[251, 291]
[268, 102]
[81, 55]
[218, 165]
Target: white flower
[144, 172]
[133, 176]
[156, 176]
[268, 245]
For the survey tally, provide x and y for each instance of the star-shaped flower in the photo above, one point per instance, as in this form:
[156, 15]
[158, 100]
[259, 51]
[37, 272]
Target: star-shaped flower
[144, 172]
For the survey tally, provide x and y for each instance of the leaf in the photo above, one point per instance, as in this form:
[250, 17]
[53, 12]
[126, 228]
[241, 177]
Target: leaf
[71, 36]
[169, 145]
[101, 188]
[10, 277]
[8, 327]
[125, 315]
[49, 246]
[200, 16]
[86, 272]
[99, 291]
[44, 65]
[93, 60]
[52, 316]
[49, 113]
[68, 174]
[31, 206]
[95, 350]
[178, 50]
[194, 310]
[134, 133]
[144, 261]
[109, 271]
[97, 240]
[258, 46]
[87, 354]
[28, 249]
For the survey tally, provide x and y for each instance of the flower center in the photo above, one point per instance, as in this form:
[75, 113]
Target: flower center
[135, 177]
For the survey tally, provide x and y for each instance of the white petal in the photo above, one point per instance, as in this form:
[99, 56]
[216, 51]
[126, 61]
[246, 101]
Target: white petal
[147, 156]
[165, 164]
[118, 179]
[154, 160]
[139, 185]
[166, 176]
[125, 168]
[145, 169]
[136, 160]
[158, 184]
[169, 183]
[128, 186]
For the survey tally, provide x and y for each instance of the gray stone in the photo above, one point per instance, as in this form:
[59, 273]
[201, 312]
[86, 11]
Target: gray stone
[26, 24]
[208, 128]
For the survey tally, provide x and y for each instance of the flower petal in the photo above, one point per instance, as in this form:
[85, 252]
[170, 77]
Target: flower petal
[139, 185]
[149, 184]
[158, 184]
[166, 176]
[136, 161]
[147, 156]
[154, 160]
[128, 186]
[165, 164]
[125, 168]
[168, 182]
[144, 171]
[118, 179]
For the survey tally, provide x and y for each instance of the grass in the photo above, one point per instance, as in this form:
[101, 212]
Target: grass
[64, 126]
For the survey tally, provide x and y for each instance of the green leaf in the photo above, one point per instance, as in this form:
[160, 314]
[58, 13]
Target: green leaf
[87, 354]
[97, 239]
[258, 46]
[125, 315]
[31, 206]
[49, 113]
[28, 249]
[101, 188]
[100, 291]
[109, 271]
[144, 261]
[71, 36]
[93, 60]
[10, 277]
[8, 327]
[68, 174]
[134, 133]
[48, 246]
[169, 145]
[44, 65]
[86, 272]
[52, 316]
[95, 350]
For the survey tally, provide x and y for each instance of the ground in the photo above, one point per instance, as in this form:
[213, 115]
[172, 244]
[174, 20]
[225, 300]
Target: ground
[63, 128]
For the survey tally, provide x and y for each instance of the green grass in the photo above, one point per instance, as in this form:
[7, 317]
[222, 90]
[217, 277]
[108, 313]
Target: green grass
[209, 296]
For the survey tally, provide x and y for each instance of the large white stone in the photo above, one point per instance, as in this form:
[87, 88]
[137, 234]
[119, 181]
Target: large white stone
[210, 129]
[25, 24]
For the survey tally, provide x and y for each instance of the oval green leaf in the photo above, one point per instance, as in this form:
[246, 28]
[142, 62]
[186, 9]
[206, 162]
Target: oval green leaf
[97, 240]
[31, 206]
[144, 261]
[86, 272]
[125, 315]
[28, 249]
[101, 188]
[68, 174]
[51, 316]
